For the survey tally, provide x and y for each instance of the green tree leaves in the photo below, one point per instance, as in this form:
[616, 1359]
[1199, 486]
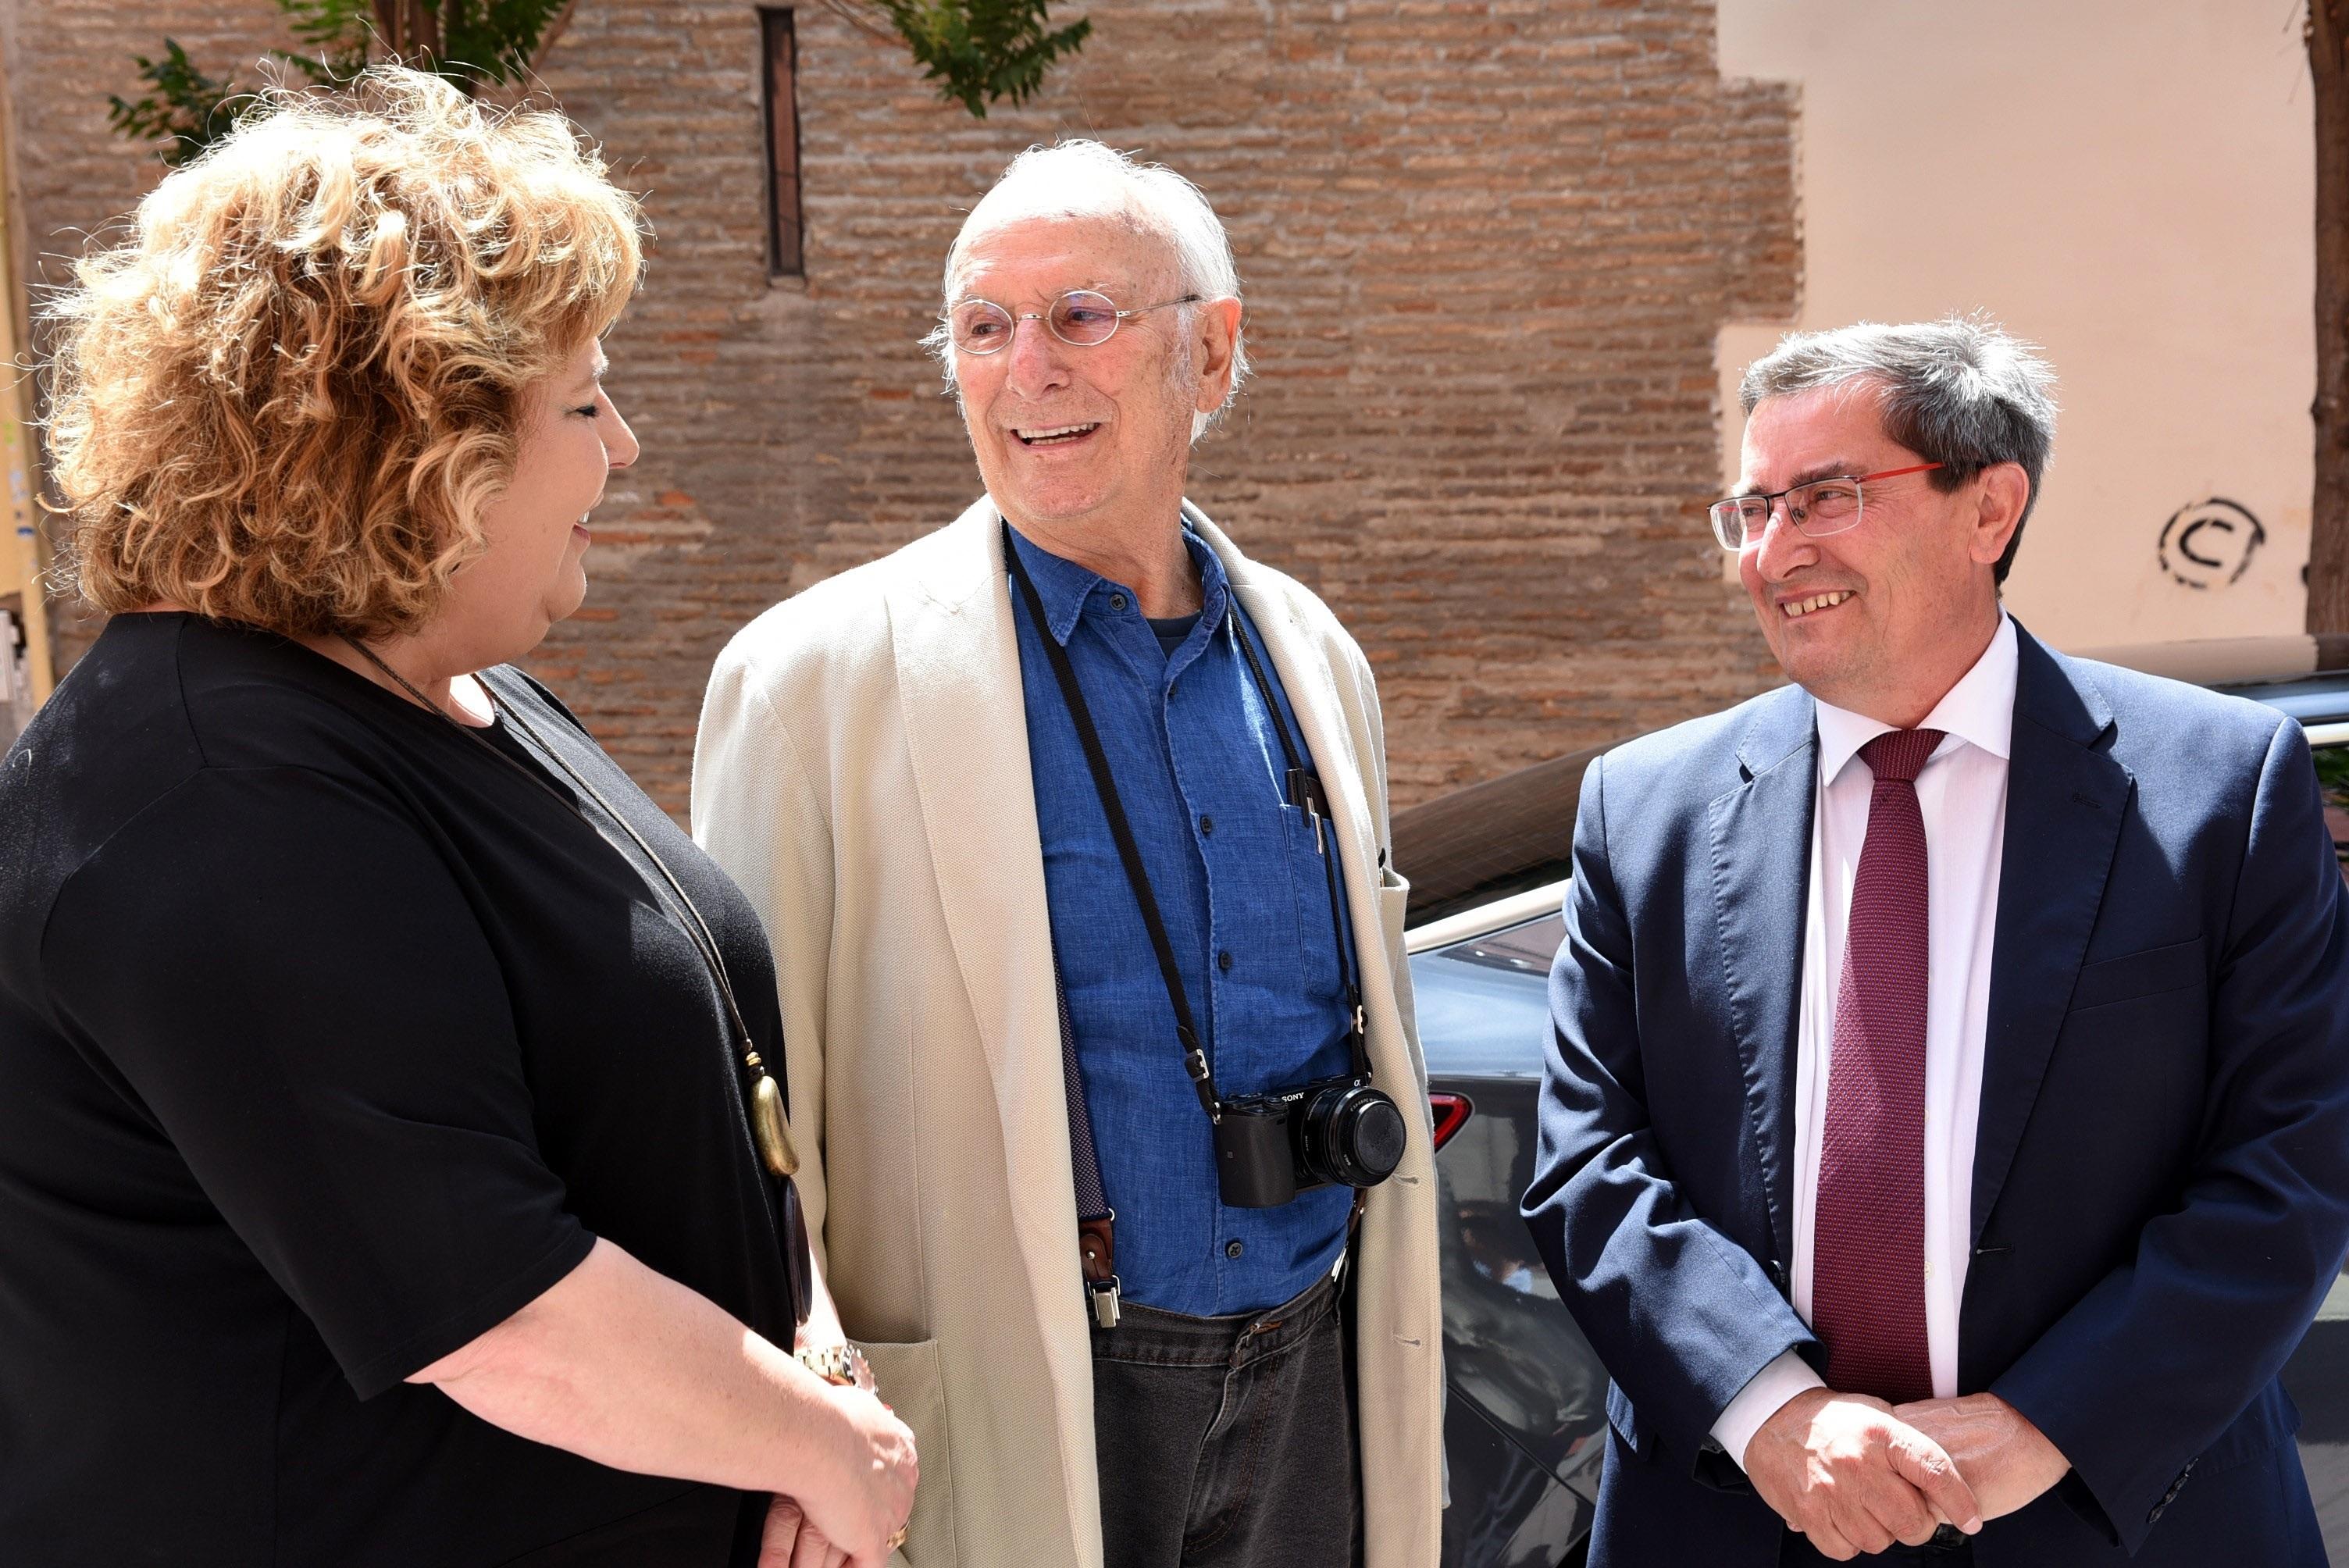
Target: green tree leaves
[979, 52]
[469, 42]
[186, 112]
[983, 51]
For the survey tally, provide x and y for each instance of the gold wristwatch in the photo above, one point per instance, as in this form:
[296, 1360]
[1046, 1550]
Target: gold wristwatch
[843, 1365]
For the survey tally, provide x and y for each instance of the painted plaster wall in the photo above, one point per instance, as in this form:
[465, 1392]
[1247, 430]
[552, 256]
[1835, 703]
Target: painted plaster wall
[2126, 182]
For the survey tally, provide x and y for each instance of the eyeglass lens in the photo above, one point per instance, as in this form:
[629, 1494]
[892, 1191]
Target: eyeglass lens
[1828, 506]
[1079, 317]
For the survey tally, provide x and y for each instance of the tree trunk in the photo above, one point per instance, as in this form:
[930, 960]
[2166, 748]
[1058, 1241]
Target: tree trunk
[405, 26]
[2328, 544]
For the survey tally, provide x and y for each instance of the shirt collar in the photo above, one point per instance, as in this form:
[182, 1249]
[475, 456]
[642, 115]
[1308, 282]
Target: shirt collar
[1977, 710]
[1066, 587]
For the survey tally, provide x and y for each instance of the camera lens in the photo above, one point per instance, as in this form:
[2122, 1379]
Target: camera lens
[1353, 1134]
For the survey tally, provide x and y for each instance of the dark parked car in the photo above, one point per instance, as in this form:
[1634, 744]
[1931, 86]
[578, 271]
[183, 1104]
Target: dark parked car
[1528, 1395]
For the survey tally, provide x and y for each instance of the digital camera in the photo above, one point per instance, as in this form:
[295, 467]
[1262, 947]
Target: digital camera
[1270, 1146]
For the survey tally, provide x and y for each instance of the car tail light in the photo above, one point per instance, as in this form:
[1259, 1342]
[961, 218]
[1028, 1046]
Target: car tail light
[1452, 1113]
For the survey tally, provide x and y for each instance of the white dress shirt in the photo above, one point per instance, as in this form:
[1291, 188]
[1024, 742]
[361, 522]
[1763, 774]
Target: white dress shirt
[1962, 794]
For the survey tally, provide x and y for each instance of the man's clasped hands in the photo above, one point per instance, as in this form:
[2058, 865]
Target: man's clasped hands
[1855, 1474]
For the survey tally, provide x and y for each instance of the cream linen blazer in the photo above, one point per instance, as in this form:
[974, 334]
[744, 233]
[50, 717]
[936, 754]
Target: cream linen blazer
[862, 772]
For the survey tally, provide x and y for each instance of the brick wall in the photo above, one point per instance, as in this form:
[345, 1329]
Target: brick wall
[1486, 247]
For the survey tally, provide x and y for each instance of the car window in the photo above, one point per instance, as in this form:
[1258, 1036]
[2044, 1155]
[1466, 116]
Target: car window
[2332, 774]
[1527, 949]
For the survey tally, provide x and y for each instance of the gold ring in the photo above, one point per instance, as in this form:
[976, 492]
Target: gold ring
[899, 1539]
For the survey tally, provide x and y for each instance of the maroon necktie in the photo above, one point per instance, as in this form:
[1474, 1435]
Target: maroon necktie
[1868, 1254]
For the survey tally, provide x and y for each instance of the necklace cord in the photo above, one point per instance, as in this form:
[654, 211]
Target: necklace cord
[767, 1106]
[696, 928]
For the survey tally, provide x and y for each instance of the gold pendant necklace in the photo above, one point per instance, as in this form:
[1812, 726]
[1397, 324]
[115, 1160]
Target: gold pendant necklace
[768, 1127]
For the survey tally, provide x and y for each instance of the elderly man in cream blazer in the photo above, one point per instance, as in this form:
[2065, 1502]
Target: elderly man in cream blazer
[1041, 1021]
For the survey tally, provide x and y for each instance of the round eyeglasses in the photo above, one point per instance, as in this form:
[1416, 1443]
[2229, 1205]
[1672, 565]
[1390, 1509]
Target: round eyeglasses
[1081, 318]
[1816, 509]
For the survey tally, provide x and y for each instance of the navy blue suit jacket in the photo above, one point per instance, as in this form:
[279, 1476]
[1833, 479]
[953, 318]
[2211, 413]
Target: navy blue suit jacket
[2161, 1170]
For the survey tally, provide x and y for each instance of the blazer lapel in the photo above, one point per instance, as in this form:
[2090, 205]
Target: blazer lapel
[957, 662]
[1761, 861]
[1304, 674]
[2065, 797]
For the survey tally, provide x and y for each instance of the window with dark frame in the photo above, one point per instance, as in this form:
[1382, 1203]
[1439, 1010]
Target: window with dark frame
[786, 256]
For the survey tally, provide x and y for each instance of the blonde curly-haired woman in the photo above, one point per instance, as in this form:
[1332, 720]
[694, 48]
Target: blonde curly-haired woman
[390, 1171]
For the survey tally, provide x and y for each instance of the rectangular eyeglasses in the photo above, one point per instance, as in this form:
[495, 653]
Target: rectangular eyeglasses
[1817, 508]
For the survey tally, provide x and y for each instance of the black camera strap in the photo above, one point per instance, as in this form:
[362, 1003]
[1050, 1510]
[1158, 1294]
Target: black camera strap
[1306, 793]
[1195, 1059]
[1304, 790]
[1096, 1222]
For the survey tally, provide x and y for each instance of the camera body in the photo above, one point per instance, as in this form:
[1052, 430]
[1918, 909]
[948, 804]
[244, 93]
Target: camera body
[1270, 1146]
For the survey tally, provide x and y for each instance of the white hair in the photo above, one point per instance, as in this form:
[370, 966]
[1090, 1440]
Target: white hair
[1085, 179]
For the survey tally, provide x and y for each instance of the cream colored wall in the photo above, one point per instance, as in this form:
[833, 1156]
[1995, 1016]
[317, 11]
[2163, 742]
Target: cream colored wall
[2126, 182]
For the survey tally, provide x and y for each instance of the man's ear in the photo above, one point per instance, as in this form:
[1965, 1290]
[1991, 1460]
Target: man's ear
[2001, 492]
[1216, 336]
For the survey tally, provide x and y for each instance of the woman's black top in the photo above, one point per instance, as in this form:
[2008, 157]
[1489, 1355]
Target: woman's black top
[328, 1040]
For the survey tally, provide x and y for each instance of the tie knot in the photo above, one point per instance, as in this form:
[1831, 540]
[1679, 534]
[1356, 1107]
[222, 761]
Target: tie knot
[1898, 755]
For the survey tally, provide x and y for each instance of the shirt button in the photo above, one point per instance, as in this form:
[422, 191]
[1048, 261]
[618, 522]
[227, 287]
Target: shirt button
[1206, 824]
[1224, 960]
[1117, 600]
[1233, 1249]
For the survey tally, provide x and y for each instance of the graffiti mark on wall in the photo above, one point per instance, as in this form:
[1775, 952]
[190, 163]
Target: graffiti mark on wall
[2210, 543]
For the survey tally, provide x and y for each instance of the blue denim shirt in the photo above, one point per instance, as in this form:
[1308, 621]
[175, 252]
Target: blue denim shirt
[1243, 891]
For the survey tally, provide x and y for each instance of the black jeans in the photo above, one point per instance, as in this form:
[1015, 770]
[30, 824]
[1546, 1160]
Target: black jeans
[1227, 1442]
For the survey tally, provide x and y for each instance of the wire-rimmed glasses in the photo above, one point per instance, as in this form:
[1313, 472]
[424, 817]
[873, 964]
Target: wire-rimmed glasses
[1818, 508]
[1081, 318]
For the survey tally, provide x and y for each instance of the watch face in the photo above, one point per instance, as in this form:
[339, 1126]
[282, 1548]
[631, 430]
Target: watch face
[841, 1365]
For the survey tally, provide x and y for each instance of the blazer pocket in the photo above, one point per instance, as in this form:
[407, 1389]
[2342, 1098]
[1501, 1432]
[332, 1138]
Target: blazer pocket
[909, 1379]
[2151, 971]
[1394, 902]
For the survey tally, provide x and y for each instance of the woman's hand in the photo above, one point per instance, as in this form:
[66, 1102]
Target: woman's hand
[629, 1368]
[864, 1498]
[789, 1541]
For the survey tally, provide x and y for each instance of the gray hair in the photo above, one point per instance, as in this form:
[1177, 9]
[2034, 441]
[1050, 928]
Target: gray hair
[1960, 391]
[1084, 179]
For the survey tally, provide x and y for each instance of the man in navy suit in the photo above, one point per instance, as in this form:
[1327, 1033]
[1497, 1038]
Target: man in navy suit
[1945, 1137]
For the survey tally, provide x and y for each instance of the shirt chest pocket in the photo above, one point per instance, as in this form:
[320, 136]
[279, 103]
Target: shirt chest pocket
[1306, 844]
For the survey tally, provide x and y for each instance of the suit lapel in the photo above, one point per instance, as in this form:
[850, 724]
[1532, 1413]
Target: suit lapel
[2065, 797]
[1761, 859]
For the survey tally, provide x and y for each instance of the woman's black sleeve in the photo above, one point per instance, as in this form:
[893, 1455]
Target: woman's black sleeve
[285, 969]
